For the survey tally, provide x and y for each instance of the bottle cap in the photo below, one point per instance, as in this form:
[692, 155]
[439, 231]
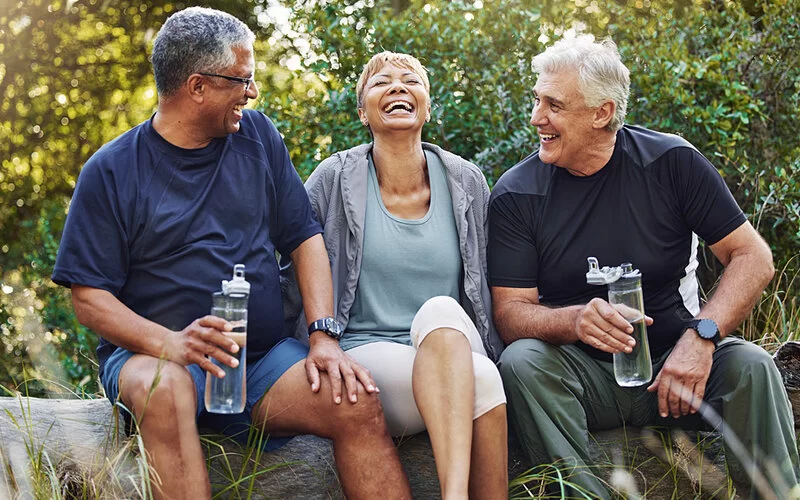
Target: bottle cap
[628, 272]
[607, 275]
[238, 284]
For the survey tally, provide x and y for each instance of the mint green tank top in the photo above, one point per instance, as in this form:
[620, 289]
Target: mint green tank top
[404, 263]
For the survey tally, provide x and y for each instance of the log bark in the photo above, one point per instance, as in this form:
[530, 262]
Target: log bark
[787, 359]
[79, 445]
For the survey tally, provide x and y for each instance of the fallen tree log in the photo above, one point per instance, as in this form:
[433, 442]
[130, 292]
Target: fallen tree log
[78, 446]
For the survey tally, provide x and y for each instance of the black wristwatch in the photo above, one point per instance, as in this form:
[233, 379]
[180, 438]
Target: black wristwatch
[329, 326]
[706, 329]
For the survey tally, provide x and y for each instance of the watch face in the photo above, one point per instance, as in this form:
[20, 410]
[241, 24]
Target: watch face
[334, 327]
[707, 329]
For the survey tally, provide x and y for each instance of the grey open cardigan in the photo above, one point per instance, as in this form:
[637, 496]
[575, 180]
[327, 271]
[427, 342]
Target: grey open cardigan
[338, 192]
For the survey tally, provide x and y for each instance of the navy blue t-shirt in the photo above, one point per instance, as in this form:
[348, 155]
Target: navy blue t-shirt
[160, 227]
[646, 206]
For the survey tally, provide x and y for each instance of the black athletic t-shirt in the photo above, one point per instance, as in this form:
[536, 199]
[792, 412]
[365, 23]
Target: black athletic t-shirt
[646, 206]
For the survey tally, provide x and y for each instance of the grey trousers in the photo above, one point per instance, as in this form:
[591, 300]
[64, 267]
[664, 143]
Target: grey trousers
[558, 394]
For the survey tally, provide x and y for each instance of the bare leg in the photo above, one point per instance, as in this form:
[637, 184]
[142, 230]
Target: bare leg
[365, 455]
[162, 396]
[489, 475]
[444, 389]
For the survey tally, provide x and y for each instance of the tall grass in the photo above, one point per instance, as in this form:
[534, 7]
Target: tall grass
[40, 465]
[687, 462]
[37, 464]
[776, 317]
[661, 463]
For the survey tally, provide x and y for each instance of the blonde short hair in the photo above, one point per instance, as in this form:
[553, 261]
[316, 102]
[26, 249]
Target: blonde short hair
[378, 61]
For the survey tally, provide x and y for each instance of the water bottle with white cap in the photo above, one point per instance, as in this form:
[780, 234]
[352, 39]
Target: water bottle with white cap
[625, 295]
[228, 394]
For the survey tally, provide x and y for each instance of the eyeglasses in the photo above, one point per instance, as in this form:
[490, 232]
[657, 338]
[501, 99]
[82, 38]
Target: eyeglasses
[244, 81]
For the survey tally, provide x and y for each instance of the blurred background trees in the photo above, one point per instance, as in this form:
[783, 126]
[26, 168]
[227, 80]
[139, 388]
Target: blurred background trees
[75, 74]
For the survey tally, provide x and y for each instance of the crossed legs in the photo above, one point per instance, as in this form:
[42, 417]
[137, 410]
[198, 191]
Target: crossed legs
[456, 393]
[460, 396]
[471, 455]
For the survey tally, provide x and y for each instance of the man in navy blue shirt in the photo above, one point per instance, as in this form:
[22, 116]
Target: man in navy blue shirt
[599, 188]
[159, 218]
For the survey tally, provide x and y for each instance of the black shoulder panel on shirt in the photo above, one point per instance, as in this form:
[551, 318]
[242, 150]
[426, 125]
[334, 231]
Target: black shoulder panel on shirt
[529, 176]
[645, 146]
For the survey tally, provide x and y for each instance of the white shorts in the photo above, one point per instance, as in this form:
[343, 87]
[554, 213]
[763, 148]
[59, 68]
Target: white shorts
[392, 365]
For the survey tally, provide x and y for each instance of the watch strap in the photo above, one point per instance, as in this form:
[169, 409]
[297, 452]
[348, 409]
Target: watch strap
[328, 325]
[693, 324]
[702, 326]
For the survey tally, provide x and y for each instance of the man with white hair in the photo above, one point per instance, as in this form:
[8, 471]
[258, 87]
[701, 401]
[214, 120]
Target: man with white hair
[159, 217]
[597, 187]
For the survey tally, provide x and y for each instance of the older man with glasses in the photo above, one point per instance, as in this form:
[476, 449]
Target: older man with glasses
[159, 217]
[244, 81]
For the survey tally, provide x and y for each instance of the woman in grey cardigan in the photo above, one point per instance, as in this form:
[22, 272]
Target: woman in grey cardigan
[405, 232]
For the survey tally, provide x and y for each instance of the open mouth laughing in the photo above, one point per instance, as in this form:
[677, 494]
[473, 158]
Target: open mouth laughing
[545, 138]
[398, 107]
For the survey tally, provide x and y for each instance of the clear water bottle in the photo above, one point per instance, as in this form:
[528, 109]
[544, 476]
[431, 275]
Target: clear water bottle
[228, 394]
[625, 295]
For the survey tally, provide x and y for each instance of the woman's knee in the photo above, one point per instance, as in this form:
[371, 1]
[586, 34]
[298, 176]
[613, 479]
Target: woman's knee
[443, 313]
[489, 391]
[439, 306]
[448, 343]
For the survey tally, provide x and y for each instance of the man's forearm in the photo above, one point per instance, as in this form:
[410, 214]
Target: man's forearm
[104, 314]
[313, 273]
[519, 320]
[746, 275]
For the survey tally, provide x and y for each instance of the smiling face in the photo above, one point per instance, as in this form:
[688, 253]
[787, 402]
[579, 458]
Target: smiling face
[226, 99]
[567, 128]
[394, 99]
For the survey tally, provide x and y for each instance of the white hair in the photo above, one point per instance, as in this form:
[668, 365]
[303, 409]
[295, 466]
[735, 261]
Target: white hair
[601, 73]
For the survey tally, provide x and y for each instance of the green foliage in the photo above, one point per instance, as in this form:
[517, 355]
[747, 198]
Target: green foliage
[63, 96]
[73, 75]
[724, 74]
[73, 345]
[479, 64]
[728, 82]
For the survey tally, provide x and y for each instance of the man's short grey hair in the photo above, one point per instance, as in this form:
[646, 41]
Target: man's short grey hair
[196, 40]
[601, 73]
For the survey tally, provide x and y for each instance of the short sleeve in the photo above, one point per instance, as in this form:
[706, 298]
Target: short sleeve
[94, 245]
[708, 205]
[512, 254]
[295, 217]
